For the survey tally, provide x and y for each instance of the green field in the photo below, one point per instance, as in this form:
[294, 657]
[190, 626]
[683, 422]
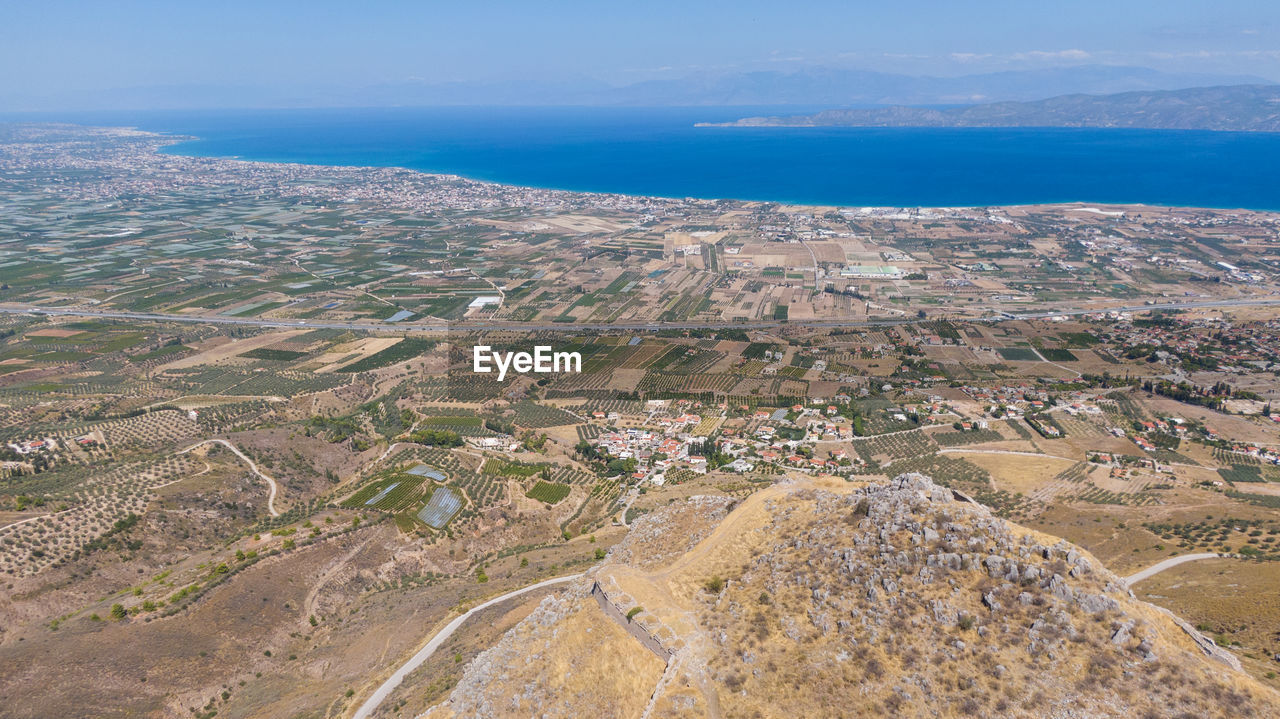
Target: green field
[263, 353]
[1018, 354]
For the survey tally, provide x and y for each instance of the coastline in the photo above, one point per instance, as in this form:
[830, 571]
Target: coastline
[188, 145]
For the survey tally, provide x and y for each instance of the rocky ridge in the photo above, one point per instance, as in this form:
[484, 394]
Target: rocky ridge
[894, 598]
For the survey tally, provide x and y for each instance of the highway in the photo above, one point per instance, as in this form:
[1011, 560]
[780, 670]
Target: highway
[476, 326]
[382, 692]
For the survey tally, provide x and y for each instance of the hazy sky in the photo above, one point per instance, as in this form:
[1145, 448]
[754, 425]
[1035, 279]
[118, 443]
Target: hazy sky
[53, 47]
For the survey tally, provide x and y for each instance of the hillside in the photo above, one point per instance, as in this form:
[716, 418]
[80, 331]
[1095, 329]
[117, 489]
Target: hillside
[815, 599]
[1241, 108]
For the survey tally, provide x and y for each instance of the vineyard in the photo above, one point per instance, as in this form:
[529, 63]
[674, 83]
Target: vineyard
[391, 493]
[590, 431]
[706, 426]
[692, 383]
[568, 384]
[548, 492]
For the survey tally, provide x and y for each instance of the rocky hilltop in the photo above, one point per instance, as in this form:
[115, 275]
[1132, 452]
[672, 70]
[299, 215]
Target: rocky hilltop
[898, 599]
[1241, 108]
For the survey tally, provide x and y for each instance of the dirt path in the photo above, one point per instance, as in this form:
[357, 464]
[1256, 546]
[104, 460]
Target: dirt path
[271, 498]
[309, 605]
[32, 519]
[631, 498]
[389, 450]
[382, 692]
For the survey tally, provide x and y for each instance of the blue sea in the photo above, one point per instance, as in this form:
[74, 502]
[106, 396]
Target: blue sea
[649, 151]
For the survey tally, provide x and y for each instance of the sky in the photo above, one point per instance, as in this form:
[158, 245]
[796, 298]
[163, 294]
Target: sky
[68, 49]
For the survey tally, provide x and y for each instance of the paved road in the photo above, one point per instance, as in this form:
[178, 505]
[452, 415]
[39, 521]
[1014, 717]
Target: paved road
[1169, 563]
[381, 693]
[377, 326]
[271, 498]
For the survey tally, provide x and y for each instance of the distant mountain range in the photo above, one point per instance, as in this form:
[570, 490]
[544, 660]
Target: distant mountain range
[810, 87]
[829, 86]
[1245, 108]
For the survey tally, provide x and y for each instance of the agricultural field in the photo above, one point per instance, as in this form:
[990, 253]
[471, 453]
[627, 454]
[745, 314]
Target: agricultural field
[548, 492]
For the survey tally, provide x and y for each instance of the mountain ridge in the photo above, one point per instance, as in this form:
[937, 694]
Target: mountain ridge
[808, 87]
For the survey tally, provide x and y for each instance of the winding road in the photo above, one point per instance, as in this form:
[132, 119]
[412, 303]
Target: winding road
[271, 498]
[382, 692]
[1169, 563]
